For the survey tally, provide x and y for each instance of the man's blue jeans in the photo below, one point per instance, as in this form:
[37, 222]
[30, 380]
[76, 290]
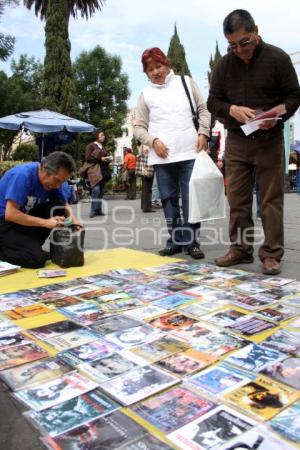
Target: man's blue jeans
[173, 180]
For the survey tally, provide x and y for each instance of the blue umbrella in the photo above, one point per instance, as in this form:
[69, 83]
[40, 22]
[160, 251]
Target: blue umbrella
[44, 121]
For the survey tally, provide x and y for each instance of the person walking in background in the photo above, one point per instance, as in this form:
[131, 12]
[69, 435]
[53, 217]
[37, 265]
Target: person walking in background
[130, 165]
[253, 76]
[97, 169]
[147, 178]
[164, 122]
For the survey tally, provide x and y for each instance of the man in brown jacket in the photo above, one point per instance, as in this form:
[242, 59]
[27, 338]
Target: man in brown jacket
[253, 76]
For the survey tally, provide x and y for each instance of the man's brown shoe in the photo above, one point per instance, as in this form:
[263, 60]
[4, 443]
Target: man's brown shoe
[271, 266]
[232, 258]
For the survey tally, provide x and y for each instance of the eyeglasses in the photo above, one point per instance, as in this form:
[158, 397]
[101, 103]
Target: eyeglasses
[242, 43]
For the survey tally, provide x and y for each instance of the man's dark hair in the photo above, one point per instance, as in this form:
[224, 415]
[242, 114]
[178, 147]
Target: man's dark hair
[237, 20]
[58, 160]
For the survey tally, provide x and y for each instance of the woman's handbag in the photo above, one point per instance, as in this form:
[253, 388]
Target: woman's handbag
[106, 173]
[66, 246]
[142, 168]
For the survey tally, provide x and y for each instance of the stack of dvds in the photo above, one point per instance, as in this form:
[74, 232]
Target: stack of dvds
[179, 356]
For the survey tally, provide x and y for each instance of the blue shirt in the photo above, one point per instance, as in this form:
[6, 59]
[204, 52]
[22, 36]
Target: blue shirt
[21, 184]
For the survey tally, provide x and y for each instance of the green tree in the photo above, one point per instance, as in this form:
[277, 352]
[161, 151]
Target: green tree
[213, 62]
[19, 92]
[176, 55]
[6, 42]
[102, 90]
[59, 86]
[26, 152]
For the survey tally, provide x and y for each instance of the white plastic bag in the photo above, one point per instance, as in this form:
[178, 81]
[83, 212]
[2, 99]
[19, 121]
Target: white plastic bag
[206, 190]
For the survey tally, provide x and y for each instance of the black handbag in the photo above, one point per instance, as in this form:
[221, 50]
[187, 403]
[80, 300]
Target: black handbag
[195, 116]
[106, 173]
[66, 246]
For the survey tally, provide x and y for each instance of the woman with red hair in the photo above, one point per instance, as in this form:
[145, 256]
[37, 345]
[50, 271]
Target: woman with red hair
[164, 122]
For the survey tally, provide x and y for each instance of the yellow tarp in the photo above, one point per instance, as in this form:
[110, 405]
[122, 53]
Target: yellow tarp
[95, 262]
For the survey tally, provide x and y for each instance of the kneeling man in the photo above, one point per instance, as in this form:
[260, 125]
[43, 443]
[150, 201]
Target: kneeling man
[33, 201]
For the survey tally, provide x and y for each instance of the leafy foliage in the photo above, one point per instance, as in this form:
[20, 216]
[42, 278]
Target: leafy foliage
[213, 62]
[102, 90]
[176, 55]
[6, 42]
[86, 8]
[26, 152]
[59, 87]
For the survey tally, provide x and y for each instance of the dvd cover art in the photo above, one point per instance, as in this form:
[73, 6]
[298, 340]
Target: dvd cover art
[114, 323]
[250, 325]
[258, 438]
[27, 311]
[219, 379]
[286, 423]
[111, 366]
[138, 384]
[147, 294]
[254, 357]
[185, 363]
[212, 430]
[116, 307]
[78, 289]
[91, 351]
[97, 293]
[284, 340]
[56, 391]
[72, 413]
[172, 301]
[53, 329]
[145, 313]
[294, 323]
[224, 318]
[107, 433]
[146, 442]
[251, 303]
[279, 313]
[193, 309]
[170, 284]
[286, 371]
[262, 397]
[84, 313]
[134, 336]
[7, 303]
[14, 339]
[61, 302]
[173, 409]
[20, 354]
[218, 344]
[34, 373]
[159, 348]
[72, 339]
[171, 321]
[196, 331]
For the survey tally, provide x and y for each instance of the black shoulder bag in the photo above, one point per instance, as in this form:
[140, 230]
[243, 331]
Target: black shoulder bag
[195, 116]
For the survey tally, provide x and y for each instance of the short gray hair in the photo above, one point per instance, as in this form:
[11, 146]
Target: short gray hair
[59, 160]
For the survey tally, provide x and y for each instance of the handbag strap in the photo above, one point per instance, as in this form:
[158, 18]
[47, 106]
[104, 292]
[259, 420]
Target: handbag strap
[194, 114]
